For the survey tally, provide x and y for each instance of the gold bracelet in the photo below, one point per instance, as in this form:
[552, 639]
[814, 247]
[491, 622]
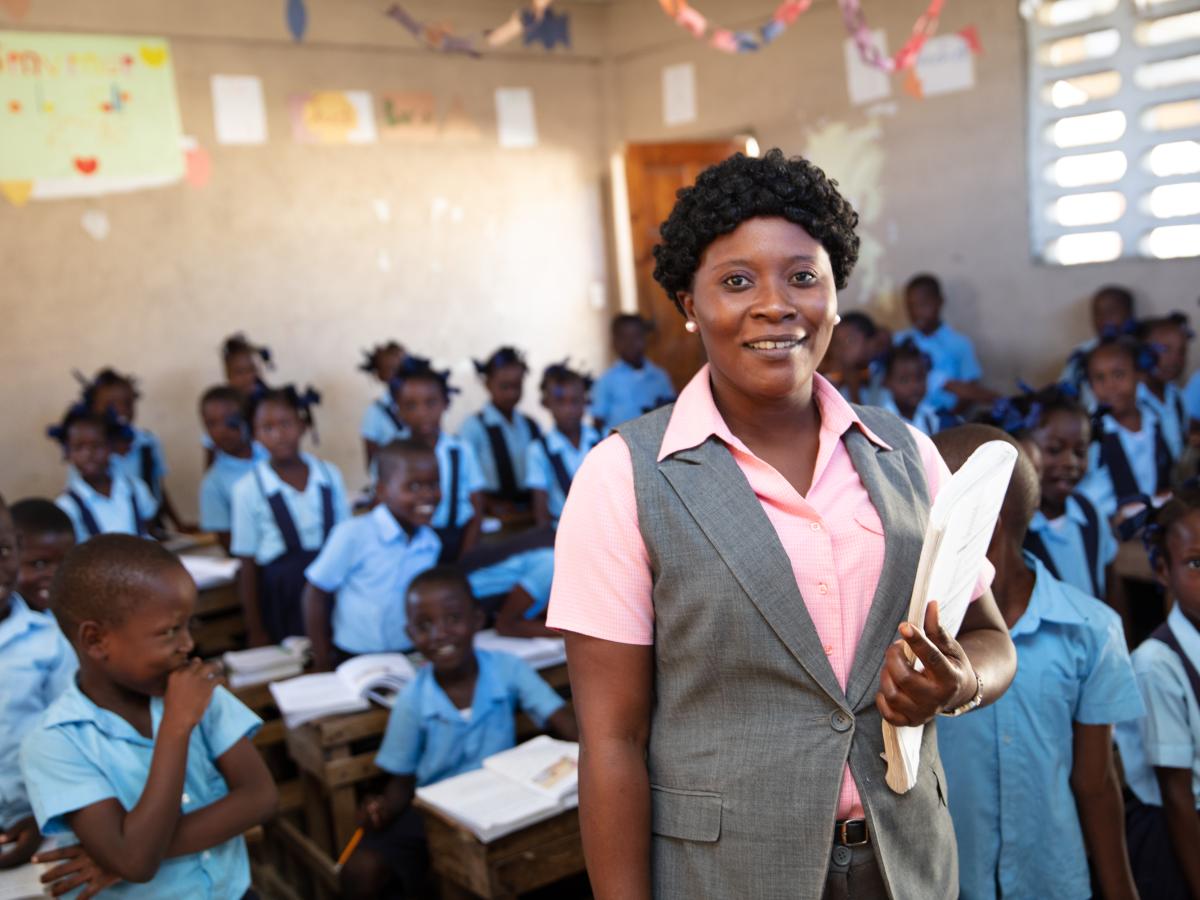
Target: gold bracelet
[970, 704]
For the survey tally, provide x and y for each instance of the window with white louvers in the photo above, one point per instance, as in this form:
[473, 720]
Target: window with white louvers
[1114, 129]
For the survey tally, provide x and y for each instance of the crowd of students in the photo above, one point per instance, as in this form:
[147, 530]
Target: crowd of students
[116, 722]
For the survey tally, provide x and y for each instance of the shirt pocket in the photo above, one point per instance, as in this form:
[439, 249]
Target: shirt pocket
[687, 815]
[867, 519]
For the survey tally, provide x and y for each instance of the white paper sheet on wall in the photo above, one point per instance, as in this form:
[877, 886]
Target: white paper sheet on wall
[865, 83]
[946, 65]
[679, 94]
[239, 113]
[516, 123]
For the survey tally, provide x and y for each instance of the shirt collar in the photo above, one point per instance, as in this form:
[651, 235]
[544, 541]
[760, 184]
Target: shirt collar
[76, 483]
[73, 707]
[20, 619]
[272, 483]
[390, 530]
[1051, 601]
[1185, 632]
[696, 418]
[1074, 512]
[435, 704]
[589, 437]
[491, 415]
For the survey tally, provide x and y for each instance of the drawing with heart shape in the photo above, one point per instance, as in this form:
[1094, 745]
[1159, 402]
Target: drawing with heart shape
[87, 165]
[153, 56]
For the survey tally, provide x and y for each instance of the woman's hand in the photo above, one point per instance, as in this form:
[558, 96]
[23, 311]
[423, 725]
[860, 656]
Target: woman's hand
[909, 697]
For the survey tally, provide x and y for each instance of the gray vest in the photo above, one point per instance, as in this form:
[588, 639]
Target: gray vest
[750, 728]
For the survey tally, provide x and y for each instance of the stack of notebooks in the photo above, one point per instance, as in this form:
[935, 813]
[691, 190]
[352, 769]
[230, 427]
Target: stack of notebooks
[263, 664]
[210, 571]
[349, 688]
[539, 653]
[515, 789]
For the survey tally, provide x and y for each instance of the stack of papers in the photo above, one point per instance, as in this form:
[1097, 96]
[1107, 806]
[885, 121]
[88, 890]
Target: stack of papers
[961, 523]
[264, 664]
[539, 653]
[517, 788]
[372, 676]
[210, 571]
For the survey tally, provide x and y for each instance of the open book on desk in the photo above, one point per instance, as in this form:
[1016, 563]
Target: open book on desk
[961, 523]
[349, 688]
[537, 652]
[532, 782]
[24, 882]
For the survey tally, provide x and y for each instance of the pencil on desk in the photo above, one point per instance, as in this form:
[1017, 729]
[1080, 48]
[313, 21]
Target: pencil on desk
[350, 847]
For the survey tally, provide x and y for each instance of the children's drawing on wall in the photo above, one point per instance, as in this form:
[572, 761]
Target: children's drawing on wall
[408, 115]
[333, 117]
[86, 114]
[946, 65]
[855, 156]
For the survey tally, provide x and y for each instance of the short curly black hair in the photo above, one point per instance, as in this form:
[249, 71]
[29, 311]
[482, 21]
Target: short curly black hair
[740, 188]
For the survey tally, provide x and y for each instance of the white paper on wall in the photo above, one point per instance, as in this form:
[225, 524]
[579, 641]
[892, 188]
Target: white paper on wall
[946, 65]
[865, 83]
[679, 94]
[239, 113]
[515, 119]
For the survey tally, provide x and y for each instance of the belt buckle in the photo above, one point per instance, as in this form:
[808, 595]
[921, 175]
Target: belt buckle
[843, 834]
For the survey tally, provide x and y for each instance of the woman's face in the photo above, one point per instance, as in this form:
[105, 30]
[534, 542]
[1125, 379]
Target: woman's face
[765, 300]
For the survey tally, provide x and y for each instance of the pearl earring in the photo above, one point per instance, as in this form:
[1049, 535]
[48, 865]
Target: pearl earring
[690, 327]
[837, 320]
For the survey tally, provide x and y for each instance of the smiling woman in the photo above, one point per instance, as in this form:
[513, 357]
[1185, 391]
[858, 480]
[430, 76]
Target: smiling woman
[730, 702]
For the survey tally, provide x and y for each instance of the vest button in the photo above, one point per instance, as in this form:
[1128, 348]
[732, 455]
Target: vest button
[841, 721]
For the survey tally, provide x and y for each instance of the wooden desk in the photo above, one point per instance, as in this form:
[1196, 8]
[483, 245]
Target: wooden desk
[218, 624]
[523, 861]
[337, 754]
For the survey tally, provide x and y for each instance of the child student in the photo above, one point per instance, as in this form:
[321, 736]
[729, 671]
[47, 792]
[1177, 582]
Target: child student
[241, 361]
[46, 534]
[143, 758]
[1112, 316]
[234, 456]
[552, 460]
[852, 353]
[422, 397]
[1031, 779]
[1168, 337]
[905, 375]
[1129, 458]
[282, 513]
[369, 560]
[1161, 753]
[99, 497]
[36, 665]
[1067, 534]
[499, 434]
[136, 451]
[632, 385]
[381, 423]
[457, 711]
[954, 369]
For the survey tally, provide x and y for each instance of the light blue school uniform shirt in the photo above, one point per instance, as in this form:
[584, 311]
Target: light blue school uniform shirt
[1075, 373]
[1169, 735]
[1170, 412]
[1008, 765]
[539, 472]
[36, 665]
[216, 487]
[369, 561]
[254, 532]
[1191, 397]
[427, 735]
[925, 418]
[380, 422]
[952, 358]
[532, 570]
[623, 392]
[1097, 484]
[518, 436]
[114, 513]
[82, 754]
[470, 480]
[130, 462]
[1063, 539]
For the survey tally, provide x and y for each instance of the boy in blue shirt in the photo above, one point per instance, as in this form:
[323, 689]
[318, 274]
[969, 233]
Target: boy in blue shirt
[368, 561]
[1031, 779]
[954, 370]
[458, 710]
[632, 385]
[234, 456]
[46, 535]
[143, 758]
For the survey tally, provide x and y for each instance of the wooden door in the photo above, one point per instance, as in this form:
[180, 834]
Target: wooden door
[653, 174]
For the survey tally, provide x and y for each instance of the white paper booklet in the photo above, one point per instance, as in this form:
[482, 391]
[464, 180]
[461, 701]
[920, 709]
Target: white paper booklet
[961, 523]
[517, 788]
[210, 571]
[538, 652]
[372, 676]
[23, 882]
[263, 664]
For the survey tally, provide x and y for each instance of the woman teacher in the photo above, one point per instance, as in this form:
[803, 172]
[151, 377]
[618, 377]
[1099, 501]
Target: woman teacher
[731, 572]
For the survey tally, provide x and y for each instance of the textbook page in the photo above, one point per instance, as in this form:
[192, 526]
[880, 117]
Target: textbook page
[961, 523]
[543, 764]
[23, 882]
[488, 804]
[538, 652]
[210, 571]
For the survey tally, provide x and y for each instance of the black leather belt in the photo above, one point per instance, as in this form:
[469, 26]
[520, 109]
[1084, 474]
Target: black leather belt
[851, 833]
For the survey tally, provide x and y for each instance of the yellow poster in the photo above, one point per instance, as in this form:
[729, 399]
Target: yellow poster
[80, 107]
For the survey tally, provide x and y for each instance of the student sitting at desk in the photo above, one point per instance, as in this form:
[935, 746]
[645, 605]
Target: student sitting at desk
[46, 534]
[457, 711]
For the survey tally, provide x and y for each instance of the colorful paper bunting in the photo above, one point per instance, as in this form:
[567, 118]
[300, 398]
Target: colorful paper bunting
[535, 23]
[547, 28]
[906, 56]
[297, 19]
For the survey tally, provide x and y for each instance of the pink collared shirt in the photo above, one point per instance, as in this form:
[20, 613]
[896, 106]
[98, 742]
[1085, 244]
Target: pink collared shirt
[833, 536]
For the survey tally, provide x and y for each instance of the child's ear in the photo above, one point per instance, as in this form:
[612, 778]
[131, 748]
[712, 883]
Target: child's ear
[93, 640]
[1160, 571]
[688, 303]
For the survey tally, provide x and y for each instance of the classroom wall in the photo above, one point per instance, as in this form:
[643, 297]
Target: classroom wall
[940, 182]
[484, 245]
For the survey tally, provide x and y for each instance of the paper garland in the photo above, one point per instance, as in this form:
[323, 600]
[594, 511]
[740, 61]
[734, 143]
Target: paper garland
[748, 41]
[535, 23]
[297, 19]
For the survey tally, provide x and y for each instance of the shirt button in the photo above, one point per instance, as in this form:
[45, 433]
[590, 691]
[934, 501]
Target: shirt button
[829, 649]
[822, 588]
[186, 799]
[206, 855]
[841, 721]
[815, 526]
